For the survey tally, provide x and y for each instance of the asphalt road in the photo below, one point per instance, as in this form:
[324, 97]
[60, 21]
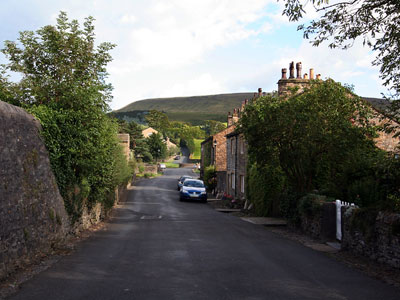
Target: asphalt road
[159, 248]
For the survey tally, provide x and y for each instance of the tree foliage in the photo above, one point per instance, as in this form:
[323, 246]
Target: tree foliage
[64, 85]
[212, 127]
[318, 140]
[157, 120]
[376, 22]
[156, 145]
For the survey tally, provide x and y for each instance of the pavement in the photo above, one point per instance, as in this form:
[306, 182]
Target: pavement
[157, 247]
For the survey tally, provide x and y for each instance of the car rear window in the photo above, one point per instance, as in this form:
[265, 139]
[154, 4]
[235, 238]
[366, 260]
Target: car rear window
[192, 183]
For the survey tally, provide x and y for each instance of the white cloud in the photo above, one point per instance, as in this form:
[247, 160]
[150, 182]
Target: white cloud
[194, 47]
[128, 19]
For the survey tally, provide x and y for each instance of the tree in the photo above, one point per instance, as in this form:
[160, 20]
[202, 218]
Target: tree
[157, 120]
[212, 127]
[376, 22]
[157, 147]
[310, 136]
[64, 85]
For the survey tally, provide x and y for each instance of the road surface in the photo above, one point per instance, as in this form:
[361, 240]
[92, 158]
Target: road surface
[159, 248]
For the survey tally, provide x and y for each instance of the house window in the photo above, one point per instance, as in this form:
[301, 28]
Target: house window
[233, 181]
[241, 146]
[242, 183]
[231, 146]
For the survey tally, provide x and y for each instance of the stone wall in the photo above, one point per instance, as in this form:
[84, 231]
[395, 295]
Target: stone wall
[377, 238]
[321, 225]
[32, 214]
[124, 141]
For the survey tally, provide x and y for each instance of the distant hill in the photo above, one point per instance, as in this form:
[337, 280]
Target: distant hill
[193, 109]
[197, 109]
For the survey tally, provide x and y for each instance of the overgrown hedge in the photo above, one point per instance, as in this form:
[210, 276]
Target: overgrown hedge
[318, 141]
[85, 156]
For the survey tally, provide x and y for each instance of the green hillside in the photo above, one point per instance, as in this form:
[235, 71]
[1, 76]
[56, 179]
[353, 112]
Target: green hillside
[193, 109]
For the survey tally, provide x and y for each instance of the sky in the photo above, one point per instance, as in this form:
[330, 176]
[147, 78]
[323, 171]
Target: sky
[171, 48]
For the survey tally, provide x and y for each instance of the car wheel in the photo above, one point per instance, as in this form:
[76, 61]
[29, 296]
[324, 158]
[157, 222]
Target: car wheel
[181, 199]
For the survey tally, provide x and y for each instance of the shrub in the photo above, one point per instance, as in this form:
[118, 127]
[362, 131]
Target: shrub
[265, 188]
[210, 178]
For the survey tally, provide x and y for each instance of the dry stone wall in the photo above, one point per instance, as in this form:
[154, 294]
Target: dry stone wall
[32, 214]
[378, 240]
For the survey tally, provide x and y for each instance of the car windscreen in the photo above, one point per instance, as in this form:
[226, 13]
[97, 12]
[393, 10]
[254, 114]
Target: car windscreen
[191, 183]
[184, 178]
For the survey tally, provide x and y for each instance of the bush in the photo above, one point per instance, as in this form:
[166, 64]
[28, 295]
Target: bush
[210, 178]
[85, 156]
[265, 189]
[311, 205]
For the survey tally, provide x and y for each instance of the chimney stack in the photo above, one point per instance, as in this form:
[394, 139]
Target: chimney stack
[298, 69]
[291, 70]
[284, 71]
[311, 73]
[230, 122]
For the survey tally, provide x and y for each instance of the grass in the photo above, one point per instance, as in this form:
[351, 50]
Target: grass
[147, 175]
[171, 165]
[197, 150]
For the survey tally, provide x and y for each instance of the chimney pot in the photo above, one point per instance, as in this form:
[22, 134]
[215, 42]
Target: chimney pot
[291, 70]
[311, 73]
[318, 76]
[305, 76]
[284, 71]
[298, 69]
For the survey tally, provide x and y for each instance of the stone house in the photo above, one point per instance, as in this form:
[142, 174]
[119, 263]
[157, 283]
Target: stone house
[213, 152]
[385, 141]
[148, 132]
[236, 148]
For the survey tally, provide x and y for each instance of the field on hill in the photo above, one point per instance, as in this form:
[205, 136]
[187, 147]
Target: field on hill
[197, 149]
[194, 110]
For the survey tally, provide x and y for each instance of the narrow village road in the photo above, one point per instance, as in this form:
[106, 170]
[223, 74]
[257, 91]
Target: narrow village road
[159, 248]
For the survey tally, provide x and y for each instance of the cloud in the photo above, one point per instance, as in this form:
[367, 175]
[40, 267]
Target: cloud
[128, 19]
[193, 47]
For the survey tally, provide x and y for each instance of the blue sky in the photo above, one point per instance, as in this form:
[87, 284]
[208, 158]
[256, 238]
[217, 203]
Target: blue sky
[196, 47]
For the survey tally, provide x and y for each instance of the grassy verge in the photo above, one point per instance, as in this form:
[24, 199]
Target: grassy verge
[171, 165]
[197, 150]
[147, 175]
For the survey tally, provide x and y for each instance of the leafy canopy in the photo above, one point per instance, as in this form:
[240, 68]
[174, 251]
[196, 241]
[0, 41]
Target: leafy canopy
[64, 85]
[309, 136]
[376, 22]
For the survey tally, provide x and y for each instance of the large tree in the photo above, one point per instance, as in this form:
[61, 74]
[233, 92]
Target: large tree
[157, 120]
[376, 22]
[63, 83]
[310, 136]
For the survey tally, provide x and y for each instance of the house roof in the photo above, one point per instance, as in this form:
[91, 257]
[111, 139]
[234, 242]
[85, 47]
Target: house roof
[148, 131]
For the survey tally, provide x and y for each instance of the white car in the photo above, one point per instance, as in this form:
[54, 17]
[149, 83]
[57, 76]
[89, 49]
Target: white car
[162, 167]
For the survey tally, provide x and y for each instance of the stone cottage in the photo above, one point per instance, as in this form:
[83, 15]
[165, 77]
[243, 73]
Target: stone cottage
[236, 146]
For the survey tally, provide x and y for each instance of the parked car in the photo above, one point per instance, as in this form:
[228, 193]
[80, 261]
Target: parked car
[177, 157]
[193, 189]
[162, 167]
[181, 180]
